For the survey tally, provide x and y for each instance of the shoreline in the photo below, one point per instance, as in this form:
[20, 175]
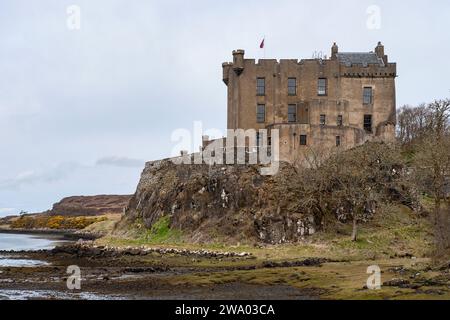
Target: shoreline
[134, 273]
[65, 234]
[137, 272]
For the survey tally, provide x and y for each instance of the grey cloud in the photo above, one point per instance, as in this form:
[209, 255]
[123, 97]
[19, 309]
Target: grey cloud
[7, 211]
[120, 162]
[49, 175]
[63, 170]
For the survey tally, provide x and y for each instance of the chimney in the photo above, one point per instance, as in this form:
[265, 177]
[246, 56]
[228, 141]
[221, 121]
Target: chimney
[379, 50]
[205, 141]
[238, 61]
[334, 51]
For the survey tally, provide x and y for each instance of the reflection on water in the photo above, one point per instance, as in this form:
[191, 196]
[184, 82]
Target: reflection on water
[50, 295]
[28, 242]
[5, 261]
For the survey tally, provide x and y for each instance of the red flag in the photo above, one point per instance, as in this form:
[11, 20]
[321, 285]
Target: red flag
[261, 46]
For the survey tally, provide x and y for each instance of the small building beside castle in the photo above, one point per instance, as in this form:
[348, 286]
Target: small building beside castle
[339, 102]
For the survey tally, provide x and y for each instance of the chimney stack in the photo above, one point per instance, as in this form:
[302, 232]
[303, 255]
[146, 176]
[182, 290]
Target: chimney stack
[379, 50]
[334, 51]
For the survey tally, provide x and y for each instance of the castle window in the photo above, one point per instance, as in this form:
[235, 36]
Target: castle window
[261, 113]
[338, 141]
[292, 113]
[339, 120]
[368, 123]
[303, 140]
[261, 86]
[292, 86]
[322, 87]
[323, 119]
[368, 95]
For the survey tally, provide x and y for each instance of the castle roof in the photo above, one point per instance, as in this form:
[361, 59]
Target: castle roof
[364, 58]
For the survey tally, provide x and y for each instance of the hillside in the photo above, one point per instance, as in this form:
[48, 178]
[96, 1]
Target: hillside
[96, 214]
[235, 203]
[90, 205]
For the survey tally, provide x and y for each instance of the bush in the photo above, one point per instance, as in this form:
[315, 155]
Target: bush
[54, 222]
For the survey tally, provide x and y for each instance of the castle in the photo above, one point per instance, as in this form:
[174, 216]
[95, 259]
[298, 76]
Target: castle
[340, 102]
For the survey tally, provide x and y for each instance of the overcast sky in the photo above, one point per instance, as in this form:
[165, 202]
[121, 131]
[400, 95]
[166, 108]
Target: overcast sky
[81, 110]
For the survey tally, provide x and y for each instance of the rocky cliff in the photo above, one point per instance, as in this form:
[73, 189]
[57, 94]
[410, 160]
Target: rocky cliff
[222, 202]
[90, 205]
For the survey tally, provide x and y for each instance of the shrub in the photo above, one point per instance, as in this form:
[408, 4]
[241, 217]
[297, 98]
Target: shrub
[54, 222]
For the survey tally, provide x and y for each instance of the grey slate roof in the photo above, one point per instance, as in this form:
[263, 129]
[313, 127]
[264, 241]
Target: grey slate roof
[364, 58]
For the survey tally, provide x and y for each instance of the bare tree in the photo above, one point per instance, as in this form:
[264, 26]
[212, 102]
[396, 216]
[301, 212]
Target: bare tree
[349, 184]
[361, 179]
[412, 123]
[432, 167]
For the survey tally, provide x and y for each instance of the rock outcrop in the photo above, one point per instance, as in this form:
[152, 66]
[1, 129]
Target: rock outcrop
[221, 202]
[87, 249]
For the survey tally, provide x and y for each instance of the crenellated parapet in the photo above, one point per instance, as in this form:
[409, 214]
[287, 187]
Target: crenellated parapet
[371, 70]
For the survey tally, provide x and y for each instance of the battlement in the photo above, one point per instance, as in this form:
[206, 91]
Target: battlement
[346, 64]
[370, 70]
[273, 62]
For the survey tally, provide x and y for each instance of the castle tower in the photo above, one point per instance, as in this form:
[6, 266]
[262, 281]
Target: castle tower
[340, 102]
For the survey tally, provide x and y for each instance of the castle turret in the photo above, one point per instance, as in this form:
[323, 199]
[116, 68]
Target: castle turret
[238, 61]
[226, 67]
[334, 51]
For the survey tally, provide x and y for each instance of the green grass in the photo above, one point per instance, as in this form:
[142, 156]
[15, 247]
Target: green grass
[161, 232]
[396, 230]
[334, 280]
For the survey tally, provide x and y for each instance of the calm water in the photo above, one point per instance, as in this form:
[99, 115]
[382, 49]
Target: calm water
[50, 295]
[18, 242]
